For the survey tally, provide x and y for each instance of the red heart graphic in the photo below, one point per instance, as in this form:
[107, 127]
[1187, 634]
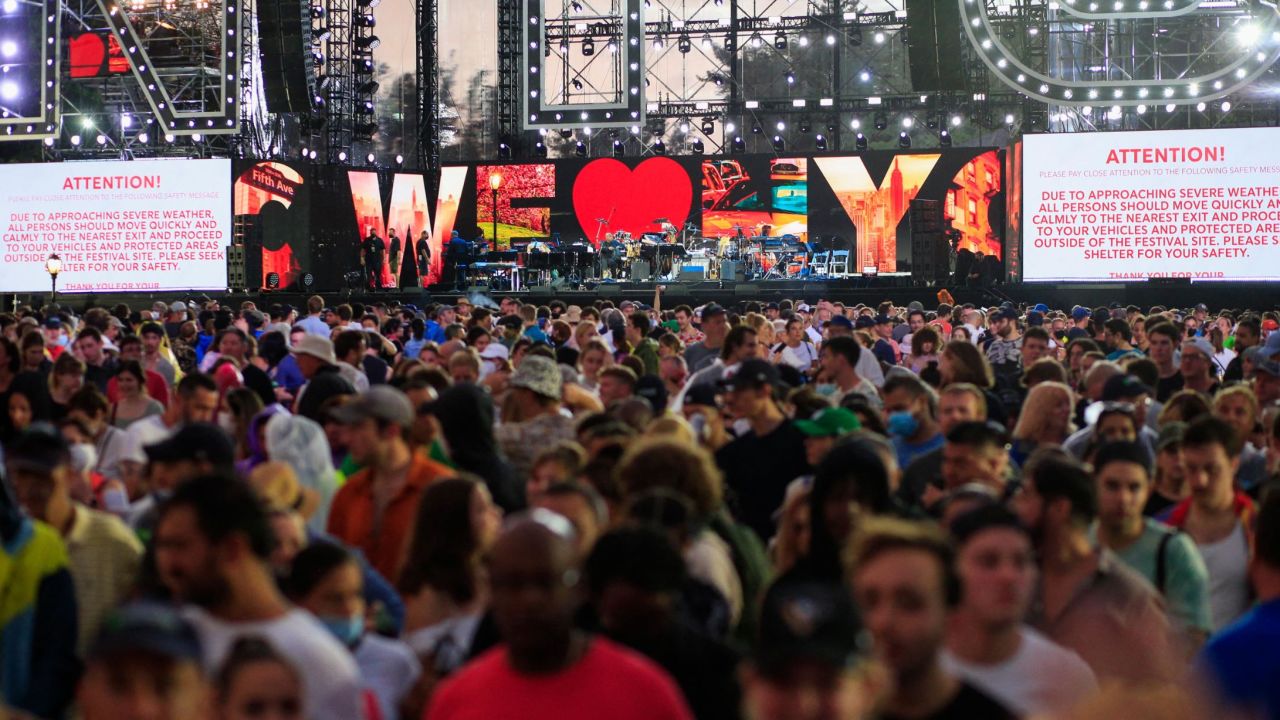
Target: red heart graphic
[88, 55]
[631, 199]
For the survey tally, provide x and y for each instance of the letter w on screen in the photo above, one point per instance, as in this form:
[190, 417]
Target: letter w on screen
[408, 212]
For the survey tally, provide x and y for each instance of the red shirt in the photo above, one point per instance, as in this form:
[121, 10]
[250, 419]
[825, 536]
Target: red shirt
[157, 388]
[608, 682]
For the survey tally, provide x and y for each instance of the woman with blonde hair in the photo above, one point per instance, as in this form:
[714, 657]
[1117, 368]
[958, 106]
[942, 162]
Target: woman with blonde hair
[1045, 419]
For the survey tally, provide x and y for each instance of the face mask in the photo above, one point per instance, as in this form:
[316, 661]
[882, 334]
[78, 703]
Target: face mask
[114, 500]
[903, 424]
[348, 630]
[827, 389]
[83, 456]
[64, 340]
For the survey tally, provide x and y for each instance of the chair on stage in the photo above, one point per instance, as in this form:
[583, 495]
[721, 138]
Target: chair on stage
[839, 263]
[820, 264]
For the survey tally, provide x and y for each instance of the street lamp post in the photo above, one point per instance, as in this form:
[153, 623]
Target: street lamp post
[495, 182]
[53, 266]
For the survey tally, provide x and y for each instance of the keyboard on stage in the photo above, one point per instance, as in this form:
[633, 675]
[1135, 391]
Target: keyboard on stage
[500, 256]
[786, 243]
[493, 266]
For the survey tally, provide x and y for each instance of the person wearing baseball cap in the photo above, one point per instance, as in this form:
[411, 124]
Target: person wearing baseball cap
[146, 655]
[536, 391]
[318, 364]
[1080, 316]
[811, 659]
[760, 463]
[1198, 367]
[1266, 374]
[824, 429]
[374, 511]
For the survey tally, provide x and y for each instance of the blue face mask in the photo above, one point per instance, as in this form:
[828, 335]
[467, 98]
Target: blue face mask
[903, 424]
[348, 630]
[827, 389]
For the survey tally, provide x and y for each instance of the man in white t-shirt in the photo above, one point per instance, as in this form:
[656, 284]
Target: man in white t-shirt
[987, 644]
[212, 545]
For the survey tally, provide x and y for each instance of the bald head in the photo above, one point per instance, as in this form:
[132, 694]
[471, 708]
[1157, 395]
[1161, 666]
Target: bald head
[534, 577]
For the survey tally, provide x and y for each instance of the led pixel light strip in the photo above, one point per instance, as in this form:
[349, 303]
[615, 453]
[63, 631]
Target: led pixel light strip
[45, 124]
[1254, 60]
[539, 114]
[1125, 9]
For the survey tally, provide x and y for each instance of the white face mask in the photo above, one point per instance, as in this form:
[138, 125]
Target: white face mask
[84, 456]
[114, 500]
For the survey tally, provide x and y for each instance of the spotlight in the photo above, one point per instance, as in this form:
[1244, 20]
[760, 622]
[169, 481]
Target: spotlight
[144, 138]
[366, 20]
[778, 143]
[1226, 106]
[1008, 119]
[684, 126]
[908, 121]
[342, 156]
[683, 44]
[718, 79]
[944, 139]
[865, 76]
[10, 6]
[855, 123]
[730, 127]
[931, 121]
[369, 88]
[504, 151]
[791, 78]
[831, 126]
[659, 148]
[368, 43]
[756, 41]
[698, 147]
[706, 41]
[102, 139]
[881, 121]
[588, 47]
[370, 159]
[75, 140]
[756, 129]
[8, 89]
[580, 149]
[739, 146]
[399, 161]
[170, 137]
[618, 149]
[780, 42]
[904, 140]
[831, 39]
[319, 35]
[8, 48]
[708, 126]
[860, 142]
[540, 149]
[878, 37]
[368, 3]
[820, 142]
[781, 125]
[805, 127]
[955, 121]
[317, 12]
[313, 155]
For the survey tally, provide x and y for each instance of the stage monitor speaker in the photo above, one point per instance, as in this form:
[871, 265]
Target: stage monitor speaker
[930, 254]
[935, 45]
[284, 32]
[641, 270]
[732, 271]
[693, 273]
[542, 291]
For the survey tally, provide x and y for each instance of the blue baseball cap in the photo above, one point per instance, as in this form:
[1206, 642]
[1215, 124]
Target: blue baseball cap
[1041, 308]
[1080, 313]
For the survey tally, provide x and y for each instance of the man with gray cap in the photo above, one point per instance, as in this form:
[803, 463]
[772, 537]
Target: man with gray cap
[1198, 367]
[318, 364]
[538, 423]
[374, 511]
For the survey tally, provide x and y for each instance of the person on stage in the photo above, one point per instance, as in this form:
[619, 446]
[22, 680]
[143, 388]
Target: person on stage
[456, 253]
[423, 249]
[396, 247]
[371, 252]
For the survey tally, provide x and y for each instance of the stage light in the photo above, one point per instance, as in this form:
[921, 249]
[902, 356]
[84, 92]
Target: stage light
[904, 140]
[659, 148]
[756, 129]
[778, 143]
[730, 127]
[370, 159]
[540, 149]
[170, 137]
[1008, 119]
[855, 123]
[860, 141]
[739, 146]
[1170, 108]
[368, 43]
[313, 155]
[908, 121]
[577, 6]
[831, 39]
[75, 140]
[864, 76]
[658, 42]
[931, 121]
[369, 88]
[805, 127]
[399, 161]
[86, 123]
[580, 149]
[342, 156]
[878, 37]
[791, 78]
[708, 126]
[1226, 106]
[718, 79]
[698, 147]
[368, 3]
[780, 42]
[319, 35]
[11, 6]
[756, 41]
[317, 12]
[504, 151]
[618, 149]
[566, 133]
[944, 139]
[881, 121]
[588, 47]
[706, 41]
[820, 142]
[48, 142]
[1142, 109]
[102, 139]
[803, 40]
[781, 125]
[8, 48]
[683, 44]
[197, 137]
[8, 90]
[684, 126]
[364, 65]
[955, 121]
[366, 20]
[143, 137]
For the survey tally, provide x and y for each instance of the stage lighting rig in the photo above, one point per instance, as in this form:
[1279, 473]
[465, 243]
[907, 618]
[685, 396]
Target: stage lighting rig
[780, 42]
[944, 139]
[540, 149]
[860, 142]
[779, 145]
[708, 126]
[618, 149]
[580, 149]
[659, 148]
[368, 43]
[820, 142]
[739, 146]
[904, 140]
[683, 44]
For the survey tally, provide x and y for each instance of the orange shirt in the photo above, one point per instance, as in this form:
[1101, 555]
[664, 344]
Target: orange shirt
[351, 516]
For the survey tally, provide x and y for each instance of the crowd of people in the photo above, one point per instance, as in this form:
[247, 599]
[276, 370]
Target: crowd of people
[480, 509]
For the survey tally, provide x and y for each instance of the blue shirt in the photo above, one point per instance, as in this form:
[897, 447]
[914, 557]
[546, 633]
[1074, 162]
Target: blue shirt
[1243, 661]
[314, 326]
[434, 332]
[884, 352]
[908, 452]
